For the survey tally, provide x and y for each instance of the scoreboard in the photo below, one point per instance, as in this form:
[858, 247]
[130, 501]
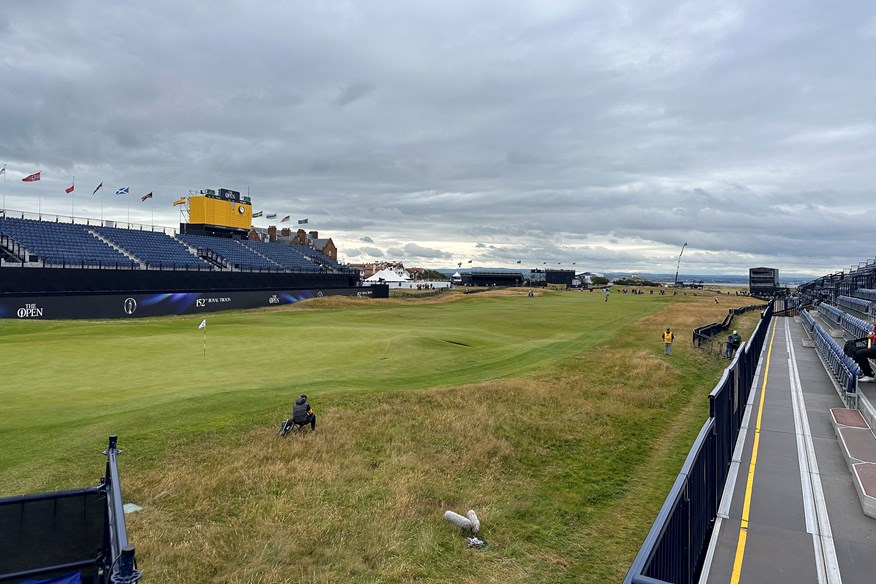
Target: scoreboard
[222, 209]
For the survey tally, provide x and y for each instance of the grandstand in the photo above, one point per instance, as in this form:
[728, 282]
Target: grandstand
[69, 268]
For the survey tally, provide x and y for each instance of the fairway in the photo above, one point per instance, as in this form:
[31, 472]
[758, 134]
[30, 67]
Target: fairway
[538, 380]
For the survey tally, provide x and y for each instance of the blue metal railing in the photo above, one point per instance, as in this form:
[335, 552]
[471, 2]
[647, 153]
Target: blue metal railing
[674, 549]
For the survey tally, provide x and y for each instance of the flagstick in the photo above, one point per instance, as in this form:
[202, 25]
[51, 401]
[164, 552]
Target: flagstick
[205, 342]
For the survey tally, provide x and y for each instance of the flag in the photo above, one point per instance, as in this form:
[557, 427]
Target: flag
[459, 264]
[97, 188]
[469, 261]
[302, 221]
[203, 324]
[146, 196]
[518, 261]
[32, 177]
[271, 215]
[256, 215]
[3, 170]
[69, 189]
[122, 191]
[284, 219]
[180, 201]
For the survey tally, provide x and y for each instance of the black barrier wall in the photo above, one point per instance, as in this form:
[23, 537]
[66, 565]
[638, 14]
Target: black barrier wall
[23, 281]
[80, 306]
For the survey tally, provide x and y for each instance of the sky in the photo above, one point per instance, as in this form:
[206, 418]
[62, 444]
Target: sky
[601, 134]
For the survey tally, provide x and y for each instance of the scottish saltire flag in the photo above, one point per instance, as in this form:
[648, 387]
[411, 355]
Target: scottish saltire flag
[97, 188]
[256, 215]
[302, 221]
[285, 219]
[122, 191]
[271, 215]
[146, 196]
[203, 324]
[32, 177]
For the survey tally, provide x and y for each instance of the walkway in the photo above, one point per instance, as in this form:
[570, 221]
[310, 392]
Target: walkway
[790, 512]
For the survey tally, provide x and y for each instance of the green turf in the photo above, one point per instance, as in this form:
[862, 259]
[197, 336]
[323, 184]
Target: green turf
[67, 385]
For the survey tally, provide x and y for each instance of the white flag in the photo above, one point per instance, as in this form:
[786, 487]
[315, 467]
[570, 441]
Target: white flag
[203, 324]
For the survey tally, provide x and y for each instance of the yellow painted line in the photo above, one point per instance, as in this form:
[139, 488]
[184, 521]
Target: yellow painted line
[746, 506]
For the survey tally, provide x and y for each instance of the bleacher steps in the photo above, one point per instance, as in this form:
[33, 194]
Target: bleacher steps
[858, 445]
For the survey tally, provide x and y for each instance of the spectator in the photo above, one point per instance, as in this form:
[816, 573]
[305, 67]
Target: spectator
[303, 414]
[733, 342]
[862, 355]
[667, 341]
[606, 293]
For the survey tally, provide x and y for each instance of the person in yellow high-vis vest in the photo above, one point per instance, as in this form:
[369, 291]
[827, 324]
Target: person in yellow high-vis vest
[667, 341]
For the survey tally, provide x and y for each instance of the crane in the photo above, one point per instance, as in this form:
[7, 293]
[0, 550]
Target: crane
[679, 264]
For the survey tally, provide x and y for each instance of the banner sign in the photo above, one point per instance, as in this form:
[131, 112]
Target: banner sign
[69, 307]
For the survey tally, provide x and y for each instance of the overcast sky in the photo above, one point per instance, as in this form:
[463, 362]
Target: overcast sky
[607, 134]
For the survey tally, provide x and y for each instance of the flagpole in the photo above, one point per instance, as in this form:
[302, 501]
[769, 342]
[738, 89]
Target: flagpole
[4, 189]
[101, 205]
[40, 198]
[152, 208]
[73, 200]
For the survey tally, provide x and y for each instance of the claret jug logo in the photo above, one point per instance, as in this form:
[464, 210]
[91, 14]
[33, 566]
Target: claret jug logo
[30, 311]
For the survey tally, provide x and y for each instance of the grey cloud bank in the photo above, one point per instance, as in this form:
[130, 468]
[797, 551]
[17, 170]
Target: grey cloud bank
[589, 132]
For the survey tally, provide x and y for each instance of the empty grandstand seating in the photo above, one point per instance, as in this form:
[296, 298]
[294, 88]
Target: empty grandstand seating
[857, 304]
[867, 293]
[62, 244]
[288, 256]
[843, 368]
[56, 244]
[830, 313]
[154, 248]
[320, 257]
[234, 254]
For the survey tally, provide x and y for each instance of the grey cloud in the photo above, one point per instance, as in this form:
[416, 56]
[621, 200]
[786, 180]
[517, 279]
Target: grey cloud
[412, 250]
[353, 92]
[593, 133]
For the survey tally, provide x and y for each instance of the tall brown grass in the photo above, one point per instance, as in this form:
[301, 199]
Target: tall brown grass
[566, 469]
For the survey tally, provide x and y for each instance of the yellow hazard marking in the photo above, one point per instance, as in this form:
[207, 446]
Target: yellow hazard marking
[746, 506]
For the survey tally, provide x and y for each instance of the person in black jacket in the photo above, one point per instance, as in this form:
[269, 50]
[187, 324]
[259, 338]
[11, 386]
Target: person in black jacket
[303, 414]
[862, 356]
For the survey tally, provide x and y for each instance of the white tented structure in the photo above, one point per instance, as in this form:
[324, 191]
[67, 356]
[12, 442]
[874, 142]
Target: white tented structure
[389, 277]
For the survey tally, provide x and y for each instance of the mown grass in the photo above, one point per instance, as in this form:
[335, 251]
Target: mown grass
[557, 418]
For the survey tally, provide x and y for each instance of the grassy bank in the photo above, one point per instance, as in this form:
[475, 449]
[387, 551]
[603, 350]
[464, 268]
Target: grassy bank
[557, 418]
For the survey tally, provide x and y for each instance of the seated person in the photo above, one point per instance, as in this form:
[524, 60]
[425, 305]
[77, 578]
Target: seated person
[303, 414]
[862, 355]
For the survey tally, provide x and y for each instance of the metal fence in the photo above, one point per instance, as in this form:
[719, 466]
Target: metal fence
[79, 532]
[674, 549]
[704, 337]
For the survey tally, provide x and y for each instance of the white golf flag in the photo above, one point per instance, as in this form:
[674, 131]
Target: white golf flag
[203, 324]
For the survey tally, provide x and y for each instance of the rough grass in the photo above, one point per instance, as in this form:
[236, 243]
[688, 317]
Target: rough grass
[566, 458]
